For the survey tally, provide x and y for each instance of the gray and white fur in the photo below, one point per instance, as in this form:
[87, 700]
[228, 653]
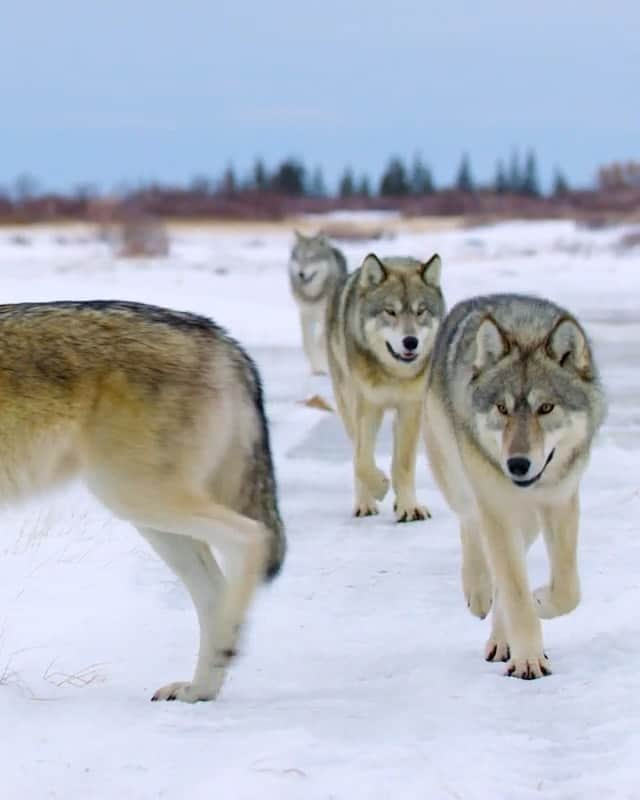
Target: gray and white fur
[315, 267]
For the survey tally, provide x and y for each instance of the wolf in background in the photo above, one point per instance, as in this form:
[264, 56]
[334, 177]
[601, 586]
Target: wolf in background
[381, 326]
[513, 403]
[315, 267]
[162, 415]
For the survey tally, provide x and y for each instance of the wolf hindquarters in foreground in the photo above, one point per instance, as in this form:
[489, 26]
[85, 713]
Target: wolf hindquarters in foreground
[513, 403]
[162, 415]
[381, 326]
[315, 267]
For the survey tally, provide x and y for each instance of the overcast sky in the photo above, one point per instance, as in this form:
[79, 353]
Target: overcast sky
[132, 89]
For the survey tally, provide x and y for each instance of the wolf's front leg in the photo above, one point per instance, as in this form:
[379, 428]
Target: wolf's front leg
[560, 527]
[477, 584]
[406, 434]
[321, 360]
[506, 552]
[371, 483]
[316, 356]
[497, 647]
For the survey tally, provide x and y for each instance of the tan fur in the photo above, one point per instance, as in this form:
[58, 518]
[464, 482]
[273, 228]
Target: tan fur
[367, 380]
[154, 410]
[487, 401]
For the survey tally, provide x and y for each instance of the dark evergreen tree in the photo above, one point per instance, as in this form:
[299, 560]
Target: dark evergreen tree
[289, 178]
[260, 178]
[421, 178]
[229, 184]
[464, 178]
[346, 184]
[530, 183]
[394, 181]
[501, 182]
[318, 187]
[514, 178]
[560, 184]
[364, 187]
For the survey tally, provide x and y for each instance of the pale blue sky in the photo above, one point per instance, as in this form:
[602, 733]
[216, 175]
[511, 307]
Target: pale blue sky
[127, 90]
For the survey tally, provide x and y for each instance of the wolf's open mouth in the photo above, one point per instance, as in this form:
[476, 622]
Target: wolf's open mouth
[537, 477]
[408, 355]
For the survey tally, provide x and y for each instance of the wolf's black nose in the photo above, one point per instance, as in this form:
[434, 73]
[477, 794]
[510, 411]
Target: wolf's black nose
[518, 466]
[409, 342]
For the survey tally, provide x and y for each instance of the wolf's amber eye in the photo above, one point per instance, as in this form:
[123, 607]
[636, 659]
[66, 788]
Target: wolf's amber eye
[420, 310]
[390, 311]
[502, 408]
[546, 408]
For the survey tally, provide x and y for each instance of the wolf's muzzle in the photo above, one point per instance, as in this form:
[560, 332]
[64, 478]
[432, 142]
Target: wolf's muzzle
[535, 478]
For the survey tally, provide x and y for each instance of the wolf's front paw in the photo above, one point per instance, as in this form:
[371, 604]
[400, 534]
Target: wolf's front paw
[528, 668]
[186, 692]
[365, 509]
[496, 650]
[410, 512]
[376, 482]
[478, 591]
[550, 603]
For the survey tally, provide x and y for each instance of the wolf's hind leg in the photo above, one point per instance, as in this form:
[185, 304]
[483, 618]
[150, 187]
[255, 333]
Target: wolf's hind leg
[193, 563]
[242, 543]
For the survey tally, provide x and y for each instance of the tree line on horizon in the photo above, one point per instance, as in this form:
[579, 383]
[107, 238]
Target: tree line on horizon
[400, 178]
[291, 177]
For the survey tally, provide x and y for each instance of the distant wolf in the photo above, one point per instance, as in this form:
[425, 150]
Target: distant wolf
[513, 403]
[315, 267]
[380, 332]
[162, 415]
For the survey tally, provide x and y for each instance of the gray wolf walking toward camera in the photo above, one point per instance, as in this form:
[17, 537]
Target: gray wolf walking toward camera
[380, 330]
[513, 403]
[315, 267]
[162, 415]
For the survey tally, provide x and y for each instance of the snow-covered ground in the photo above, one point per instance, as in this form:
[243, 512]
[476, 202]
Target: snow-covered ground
[362, 673]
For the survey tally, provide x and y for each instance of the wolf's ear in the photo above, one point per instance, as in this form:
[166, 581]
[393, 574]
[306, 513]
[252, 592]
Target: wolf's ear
[298, 235]
[431, 270]
[372, 272]
[567, 345]
[491, 344]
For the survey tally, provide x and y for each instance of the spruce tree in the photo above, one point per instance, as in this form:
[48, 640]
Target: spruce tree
[290, 178]
[346, 185]
[260, 177]
[364, 187]
[530, 183]
[464, 179]
[229, 184]
[560, 184]
[394, 181]
[514, 177]
[318, 188]
[421, 178]
[501, 183]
